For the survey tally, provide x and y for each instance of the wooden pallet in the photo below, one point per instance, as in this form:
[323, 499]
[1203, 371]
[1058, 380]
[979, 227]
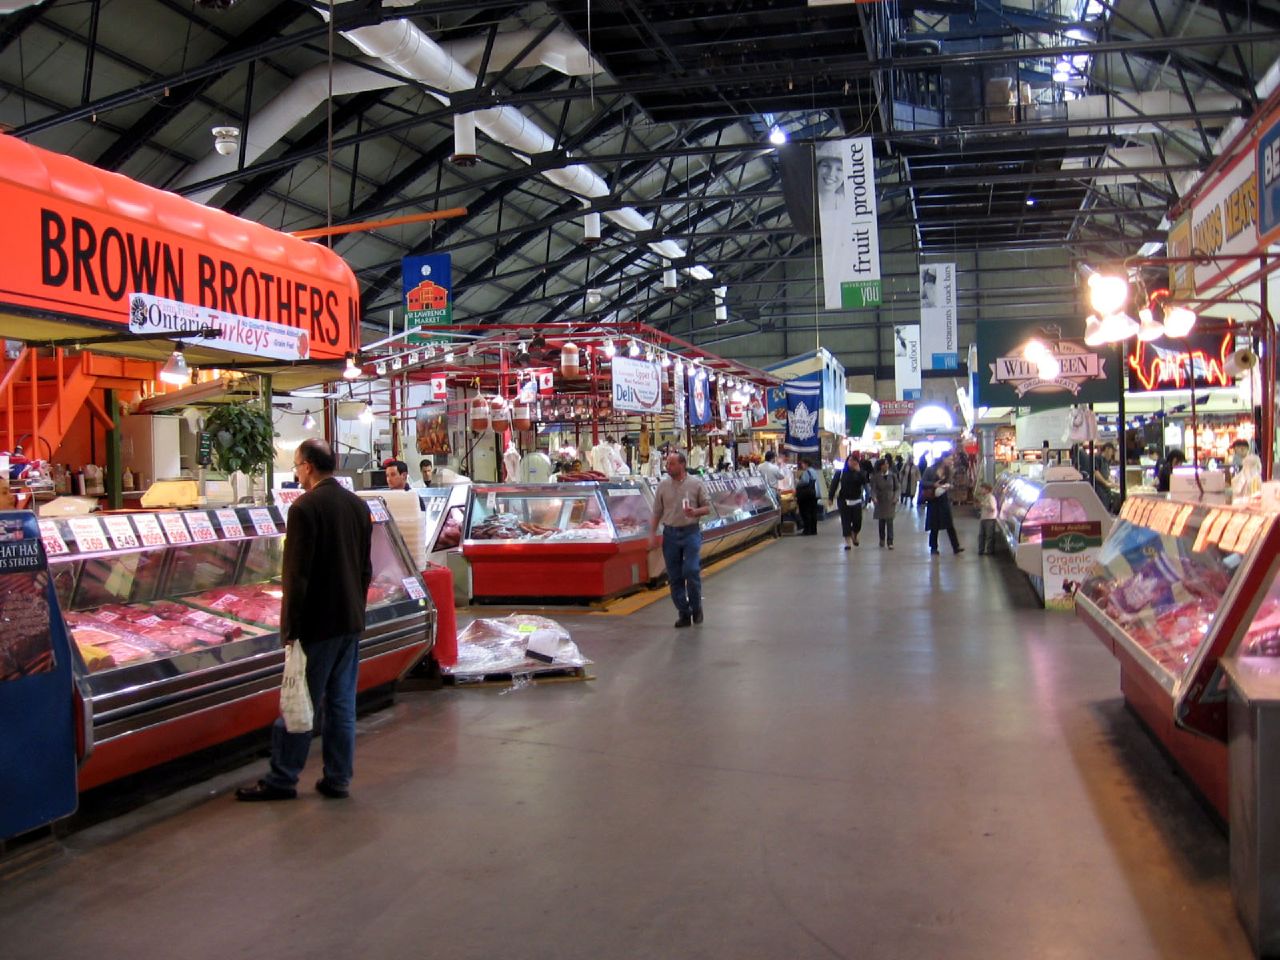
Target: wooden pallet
[537, 677]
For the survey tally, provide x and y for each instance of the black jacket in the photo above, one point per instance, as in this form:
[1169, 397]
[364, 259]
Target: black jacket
[327, 564]
[848, 485]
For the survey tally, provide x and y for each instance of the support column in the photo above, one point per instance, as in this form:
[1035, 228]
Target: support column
[115, 482]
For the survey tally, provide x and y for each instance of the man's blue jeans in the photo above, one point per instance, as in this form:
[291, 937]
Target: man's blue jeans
[682, 551]
[332, 667]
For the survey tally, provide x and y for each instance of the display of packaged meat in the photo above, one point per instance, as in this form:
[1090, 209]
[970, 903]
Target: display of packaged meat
[257, 603]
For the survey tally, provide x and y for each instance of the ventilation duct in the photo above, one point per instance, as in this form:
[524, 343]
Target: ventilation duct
[464, 140]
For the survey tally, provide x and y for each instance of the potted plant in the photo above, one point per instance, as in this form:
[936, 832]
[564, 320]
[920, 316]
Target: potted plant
[243, 439]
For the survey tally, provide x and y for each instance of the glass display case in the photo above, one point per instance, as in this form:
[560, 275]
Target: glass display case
[1025, 505]
[173, 615]
[630, 507]
[539, 513]
[444, 512]
[1179, 586]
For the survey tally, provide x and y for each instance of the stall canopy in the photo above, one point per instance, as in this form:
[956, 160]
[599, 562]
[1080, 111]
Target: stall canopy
[79, 246]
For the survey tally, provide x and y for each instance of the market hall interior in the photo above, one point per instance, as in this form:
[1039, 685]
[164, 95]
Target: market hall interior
[860, 755]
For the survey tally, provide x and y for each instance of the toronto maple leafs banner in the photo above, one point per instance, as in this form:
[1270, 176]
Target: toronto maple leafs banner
[804, 403]
[699, 398]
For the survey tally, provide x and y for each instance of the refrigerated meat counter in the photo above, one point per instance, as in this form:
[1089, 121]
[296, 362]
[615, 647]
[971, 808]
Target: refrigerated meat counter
[175, 618]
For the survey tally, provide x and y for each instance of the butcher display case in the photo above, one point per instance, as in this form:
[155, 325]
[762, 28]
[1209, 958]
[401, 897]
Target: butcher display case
[1178, 586]
[1024, 505]
[556, 541]
[444, 514]
[743, 509]
[175, 621]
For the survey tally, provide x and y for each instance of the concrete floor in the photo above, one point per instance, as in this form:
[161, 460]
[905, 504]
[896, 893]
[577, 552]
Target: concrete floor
[867, 755]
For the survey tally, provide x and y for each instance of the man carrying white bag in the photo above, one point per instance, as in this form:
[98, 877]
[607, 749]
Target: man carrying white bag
[326, 575]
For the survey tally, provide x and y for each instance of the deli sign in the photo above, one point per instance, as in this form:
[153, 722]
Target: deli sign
[637, 385]
[79, 242]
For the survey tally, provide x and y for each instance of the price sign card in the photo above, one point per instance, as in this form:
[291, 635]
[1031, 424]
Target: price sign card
[230, 524]
[90, 537]
[121, 532]
[54, 545]
[174, 528]
[379, 512]
[262, 522]
[148, 528]
[414, 588]
[201, 527]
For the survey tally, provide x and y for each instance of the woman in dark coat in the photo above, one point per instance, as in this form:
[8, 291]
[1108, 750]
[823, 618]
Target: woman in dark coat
[848, 488]
[937, 514]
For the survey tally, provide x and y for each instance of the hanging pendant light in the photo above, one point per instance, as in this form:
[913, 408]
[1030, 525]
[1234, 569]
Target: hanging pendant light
[351, 371]
[175, 369]
[1117, 327]
[1093, 331]
[308, 421]
[1178, 321]
[1149, 328]
[366, 415]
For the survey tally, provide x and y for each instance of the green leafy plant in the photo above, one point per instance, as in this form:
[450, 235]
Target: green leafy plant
[242, 437]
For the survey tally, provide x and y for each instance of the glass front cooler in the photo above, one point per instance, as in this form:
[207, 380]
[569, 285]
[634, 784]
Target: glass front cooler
[176, 617]
[1024, 506]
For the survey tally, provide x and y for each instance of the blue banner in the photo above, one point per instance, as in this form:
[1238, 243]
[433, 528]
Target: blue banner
[804, 407]
[428, 292]
[699, 398]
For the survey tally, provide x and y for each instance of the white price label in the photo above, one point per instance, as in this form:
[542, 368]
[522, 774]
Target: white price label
[90, 537]
[491, 501]
[201, 527]
[121, 532]
[346, 482]
[174, 528]
[262, 522]
[414, 588]
[378, 512]
[285, 498]
[53, 542]
[230, 524]
[149, 531]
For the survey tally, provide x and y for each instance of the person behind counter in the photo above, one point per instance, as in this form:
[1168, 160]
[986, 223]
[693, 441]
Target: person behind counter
[428, 471]
[327, 569]
[771, 472]
[1173, 459]
[678, 503]
[397, 475]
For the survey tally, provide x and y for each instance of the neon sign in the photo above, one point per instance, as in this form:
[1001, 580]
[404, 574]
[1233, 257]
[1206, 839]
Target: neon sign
[1172, 364]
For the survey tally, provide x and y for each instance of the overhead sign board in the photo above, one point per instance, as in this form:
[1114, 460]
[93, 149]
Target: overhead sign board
[637, 385]
[158, 316]
[1008, 379]
[428, 292]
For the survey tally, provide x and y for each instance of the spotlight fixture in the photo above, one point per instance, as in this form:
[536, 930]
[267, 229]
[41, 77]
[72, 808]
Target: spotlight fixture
[352, 371]
[380, 369]
[777, 136]
[1093, 331]
[175, 369]
[666, 360]
[366, 415]
[634, 349]
[609, 349]
[1178, 321]
[1149, 328]
[308, 421]
[1108, 293]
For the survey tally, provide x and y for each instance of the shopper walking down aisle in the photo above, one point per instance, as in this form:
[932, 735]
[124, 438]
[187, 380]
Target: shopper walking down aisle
[848, 491]
[987, 519]
[678, 503]
[922, 467]
[910, 480]
[807, 497]
[884, 494]
[325, 580]
[935, 486]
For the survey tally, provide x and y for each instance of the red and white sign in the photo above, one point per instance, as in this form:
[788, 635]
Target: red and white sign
[230, 524]
[413, 586]
[262, 522]
[148, 528]
[54, 545]
[201, 527]
[90, 537]
[121, 532]
[1224, 221]
[897, 409]
[545, 378]
[440, 388]
[174, 528]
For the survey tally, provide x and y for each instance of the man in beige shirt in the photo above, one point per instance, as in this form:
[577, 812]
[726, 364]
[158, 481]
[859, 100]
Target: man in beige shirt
[680, 500]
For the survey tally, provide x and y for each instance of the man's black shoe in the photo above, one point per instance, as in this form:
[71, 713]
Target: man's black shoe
[333, 792]
[697, 616]
[263, 791]
[684, 622]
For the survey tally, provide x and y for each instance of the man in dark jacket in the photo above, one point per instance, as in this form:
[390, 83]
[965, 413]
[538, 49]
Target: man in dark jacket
[937, 512]
[327, 570]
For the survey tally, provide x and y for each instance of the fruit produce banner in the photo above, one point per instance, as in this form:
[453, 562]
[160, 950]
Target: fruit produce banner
[939, 337]
[254, 338]
[1009, 379]
[428, 292]
[845, 186]
[906, 362]
[699, 398]
[637, 385]
[1069, 552]
[804, 403]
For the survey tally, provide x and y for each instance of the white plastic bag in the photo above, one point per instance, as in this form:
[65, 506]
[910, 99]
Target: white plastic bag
[295, 698]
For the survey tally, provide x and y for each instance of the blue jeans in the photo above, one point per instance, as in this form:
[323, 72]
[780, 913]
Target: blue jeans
[682, 550]
[332, 666]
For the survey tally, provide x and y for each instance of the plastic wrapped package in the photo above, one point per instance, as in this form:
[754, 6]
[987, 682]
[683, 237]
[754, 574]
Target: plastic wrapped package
[491, 645]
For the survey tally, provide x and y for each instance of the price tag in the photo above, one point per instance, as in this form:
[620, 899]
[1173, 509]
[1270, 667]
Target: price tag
[152, 621]
[413, 587]
[491, 501]
[346, 482]
[201, 527]
[624, 493]
[1230, 541]
[107, 616]
[230, 524]
[90, 537]
[1185, 513]
[54, 545]
[285, 498]
[1249, 536]
[174, 528]
[263, 525]
[378, 512]
[121, 532]
[148, 528]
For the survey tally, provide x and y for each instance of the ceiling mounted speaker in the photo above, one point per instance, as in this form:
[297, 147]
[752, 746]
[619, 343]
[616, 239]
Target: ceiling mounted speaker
[1240, 363]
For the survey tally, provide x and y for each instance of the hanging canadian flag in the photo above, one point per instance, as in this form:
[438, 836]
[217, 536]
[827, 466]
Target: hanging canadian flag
[440, 388]
[546, 380]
